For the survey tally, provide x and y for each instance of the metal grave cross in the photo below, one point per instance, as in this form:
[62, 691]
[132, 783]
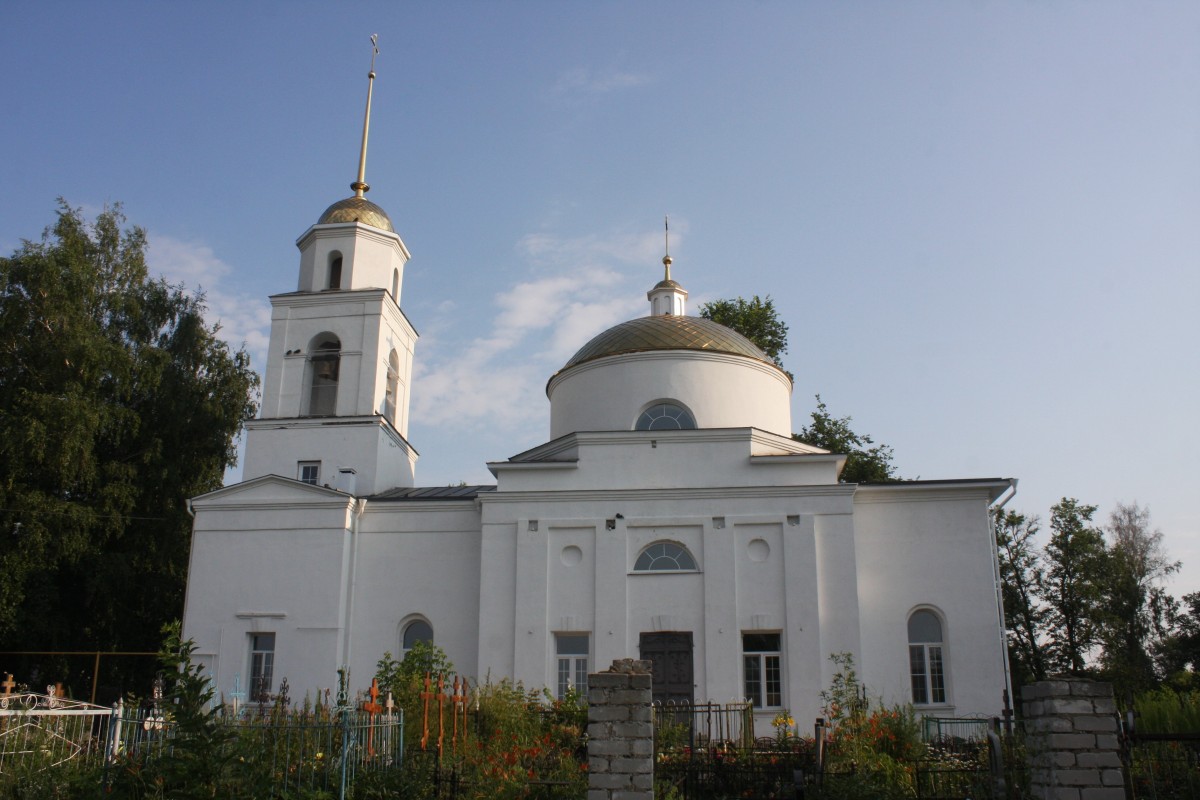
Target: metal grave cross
[372, 708]
[426, 696]
[237, 693]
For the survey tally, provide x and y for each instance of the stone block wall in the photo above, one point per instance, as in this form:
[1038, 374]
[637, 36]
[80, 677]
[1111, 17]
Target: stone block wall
[620, 733]
[1071, 727]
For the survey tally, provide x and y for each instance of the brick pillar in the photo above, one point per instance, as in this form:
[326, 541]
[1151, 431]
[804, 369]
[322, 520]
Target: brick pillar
[620, 733]
[1071, 726]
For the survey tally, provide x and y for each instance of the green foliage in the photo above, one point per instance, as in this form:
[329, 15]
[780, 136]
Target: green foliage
[756, 319]
[1167, 710]
[522, 736]
[867, 462]
[1136, 607]
[1076, 564]
[117, 403]
[873, 747]
[1021, 578]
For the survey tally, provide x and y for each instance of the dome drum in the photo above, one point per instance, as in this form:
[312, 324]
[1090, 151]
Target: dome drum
[720, 390]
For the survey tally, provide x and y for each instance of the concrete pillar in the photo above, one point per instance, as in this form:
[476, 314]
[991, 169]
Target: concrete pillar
[620, 733]
[1071, 726]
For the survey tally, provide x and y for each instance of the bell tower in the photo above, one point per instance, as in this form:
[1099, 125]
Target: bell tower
[339, 366]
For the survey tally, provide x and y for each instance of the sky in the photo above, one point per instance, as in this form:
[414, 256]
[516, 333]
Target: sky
[981, 220]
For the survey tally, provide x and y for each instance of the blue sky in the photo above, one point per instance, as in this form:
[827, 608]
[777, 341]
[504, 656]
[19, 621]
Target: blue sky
[981, 220]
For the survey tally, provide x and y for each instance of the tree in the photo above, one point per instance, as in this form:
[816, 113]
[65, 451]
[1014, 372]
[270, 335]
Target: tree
[759, 322]
[1135, 602]
[866, 461]
[756, 319]
[1075, 560]
[1021, 575]
[117, 404]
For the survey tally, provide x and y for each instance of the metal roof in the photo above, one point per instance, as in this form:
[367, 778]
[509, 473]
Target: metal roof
[434, 493]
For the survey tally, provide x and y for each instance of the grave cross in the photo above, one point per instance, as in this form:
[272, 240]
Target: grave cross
[8, 685]
[426, 696]
[237, 694]
[372, 708]
[456, 701]
[441, 694]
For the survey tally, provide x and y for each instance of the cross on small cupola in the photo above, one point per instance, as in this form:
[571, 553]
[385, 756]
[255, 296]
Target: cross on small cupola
[667, 297]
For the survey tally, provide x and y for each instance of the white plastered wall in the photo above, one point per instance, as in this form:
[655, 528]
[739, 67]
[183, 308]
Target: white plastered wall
[930, 549]
[721, 391]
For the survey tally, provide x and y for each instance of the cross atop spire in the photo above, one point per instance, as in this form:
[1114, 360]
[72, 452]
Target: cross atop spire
[360, 186]
[667, 248]
[667, 297]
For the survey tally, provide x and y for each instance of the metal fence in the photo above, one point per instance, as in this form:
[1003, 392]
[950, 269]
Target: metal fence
[41, 731]
[288, 750]
[1162, 766]
[318, 749]
[703, 725]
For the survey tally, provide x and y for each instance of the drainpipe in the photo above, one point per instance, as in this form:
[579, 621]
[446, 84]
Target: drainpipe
[999, 504]
[360, 505]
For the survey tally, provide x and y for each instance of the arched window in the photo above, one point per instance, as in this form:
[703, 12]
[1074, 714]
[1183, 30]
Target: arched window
[396, 285]
[393, 381]
[324, 362]
[926, 658]
[416, 631]
[335, 271]
[665, 417]
[665, 557]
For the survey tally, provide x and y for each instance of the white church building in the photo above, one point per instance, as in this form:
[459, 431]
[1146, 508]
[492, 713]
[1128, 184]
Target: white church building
[669, 515]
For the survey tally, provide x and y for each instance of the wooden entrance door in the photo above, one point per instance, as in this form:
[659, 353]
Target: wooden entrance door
[671, 652]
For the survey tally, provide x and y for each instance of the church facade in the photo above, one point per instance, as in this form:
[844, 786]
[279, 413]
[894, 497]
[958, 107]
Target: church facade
[669, 515]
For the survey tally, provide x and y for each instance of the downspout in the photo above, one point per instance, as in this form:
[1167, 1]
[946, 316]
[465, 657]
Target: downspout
[999, 504]
[360, 505]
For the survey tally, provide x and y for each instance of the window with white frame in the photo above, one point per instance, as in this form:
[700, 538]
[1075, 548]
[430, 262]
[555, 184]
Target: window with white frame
[416, 631]
[309, 472]
[762, 669]
[571, 650]
[665, 557]
[262, 665]
[926, 658]
[665, 417]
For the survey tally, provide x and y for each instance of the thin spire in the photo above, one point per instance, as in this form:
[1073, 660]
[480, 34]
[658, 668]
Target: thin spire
[360, 186]
[667, 248]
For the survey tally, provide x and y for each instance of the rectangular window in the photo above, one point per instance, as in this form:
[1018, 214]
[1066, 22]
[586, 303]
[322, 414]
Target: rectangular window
[571, 650]
[262, 665]
[309, 472]
[928, 673]
[762, 666]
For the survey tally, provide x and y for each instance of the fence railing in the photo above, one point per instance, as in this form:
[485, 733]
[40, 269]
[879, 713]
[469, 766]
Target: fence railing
[699, 725]
[300, 749]
[322, 749]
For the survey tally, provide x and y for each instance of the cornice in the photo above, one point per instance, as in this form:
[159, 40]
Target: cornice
[669, 355]
[831, 490]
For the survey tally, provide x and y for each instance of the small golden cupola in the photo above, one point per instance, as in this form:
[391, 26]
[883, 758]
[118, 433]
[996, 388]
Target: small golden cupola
[667, 298]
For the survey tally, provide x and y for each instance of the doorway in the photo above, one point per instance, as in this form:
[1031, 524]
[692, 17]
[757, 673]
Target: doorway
[671, 652]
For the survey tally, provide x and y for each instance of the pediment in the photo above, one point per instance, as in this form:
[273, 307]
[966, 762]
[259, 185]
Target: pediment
[271, 489]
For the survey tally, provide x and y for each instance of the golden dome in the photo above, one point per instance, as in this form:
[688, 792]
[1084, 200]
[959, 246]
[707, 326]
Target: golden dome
[667, 332]
[357, 209]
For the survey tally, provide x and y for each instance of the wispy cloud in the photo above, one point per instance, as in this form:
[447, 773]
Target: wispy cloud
[587, 81]
[244, 320]
[498, 378]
